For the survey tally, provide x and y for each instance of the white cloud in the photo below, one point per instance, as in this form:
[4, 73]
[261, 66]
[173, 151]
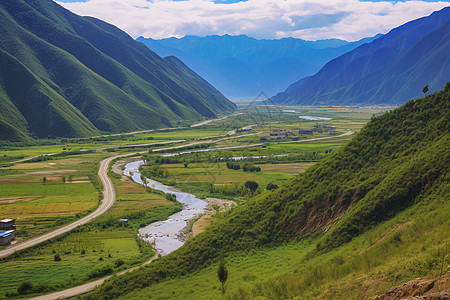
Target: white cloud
[306, 19]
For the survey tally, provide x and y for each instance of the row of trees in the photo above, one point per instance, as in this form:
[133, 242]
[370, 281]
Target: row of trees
[246, 167]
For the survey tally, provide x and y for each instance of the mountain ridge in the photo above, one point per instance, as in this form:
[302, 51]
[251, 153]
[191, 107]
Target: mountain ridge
[99, 72]
[242, 66]
[380, 72]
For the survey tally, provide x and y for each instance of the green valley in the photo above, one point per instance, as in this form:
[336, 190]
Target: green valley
[126, 175]
[389, 178]
[101, 237]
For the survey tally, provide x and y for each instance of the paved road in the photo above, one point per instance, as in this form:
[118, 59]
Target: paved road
[109, 197]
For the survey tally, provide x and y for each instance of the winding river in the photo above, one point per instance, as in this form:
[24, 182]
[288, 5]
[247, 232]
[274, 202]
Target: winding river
[165, 236]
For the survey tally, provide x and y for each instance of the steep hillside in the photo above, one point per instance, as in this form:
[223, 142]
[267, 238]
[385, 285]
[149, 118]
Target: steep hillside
[242, 67]
[398, 162]
[389, 70]
[65, 75]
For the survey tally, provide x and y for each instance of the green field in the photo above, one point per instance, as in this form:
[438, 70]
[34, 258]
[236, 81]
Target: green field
[71, 190]
[102, 247]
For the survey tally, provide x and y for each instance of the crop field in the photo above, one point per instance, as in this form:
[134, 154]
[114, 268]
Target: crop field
[102, 247]
[46, 194]
[197, 177]
[10, 153]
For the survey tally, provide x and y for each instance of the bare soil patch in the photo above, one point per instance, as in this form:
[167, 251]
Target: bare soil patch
[419, 289]
[11, 200]
[51, 172]
[201, 225]
[396, 228]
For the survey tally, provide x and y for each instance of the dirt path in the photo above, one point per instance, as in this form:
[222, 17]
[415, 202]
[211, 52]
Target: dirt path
[348, 133]
[88, 287]
[109, 197]
[214, 120]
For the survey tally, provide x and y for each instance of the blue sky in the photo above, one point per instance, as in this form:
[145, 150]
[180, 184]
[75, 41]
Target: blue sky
[270, 19]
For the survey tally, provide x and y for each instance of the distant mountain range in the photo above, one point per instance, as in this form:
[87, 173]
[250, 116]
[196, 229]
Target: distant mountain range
[242, 67]
[62, 75]
[390, 70]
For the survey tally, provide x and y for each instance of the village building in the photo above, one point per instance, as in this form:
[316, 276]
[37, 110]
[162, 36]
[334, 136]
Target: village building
[305, 131]
[7, 224]
[324, 127]
[6, 237]
[7, 232]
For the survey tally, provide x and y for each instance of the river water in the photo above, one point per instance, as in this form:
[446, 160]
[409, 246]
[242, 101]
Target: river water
[165, 236]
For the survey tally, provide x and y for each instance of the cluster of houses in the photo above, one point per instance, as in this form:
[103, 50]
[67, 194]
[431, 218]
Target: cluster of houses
[325, 128]
[7, 231]
[244, 129]
[283, 134]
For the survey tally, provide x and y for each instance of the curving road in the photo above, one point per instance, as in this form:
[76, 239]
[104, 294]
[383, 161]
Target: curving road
[109, 196]
[86, 288]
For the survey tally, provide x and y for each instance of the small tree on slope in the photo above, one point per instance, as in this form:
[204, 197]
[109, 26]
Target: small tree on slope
[222, 273]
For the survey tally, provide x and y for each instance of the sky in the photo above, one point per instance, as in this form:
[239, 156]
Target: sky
[262, 19]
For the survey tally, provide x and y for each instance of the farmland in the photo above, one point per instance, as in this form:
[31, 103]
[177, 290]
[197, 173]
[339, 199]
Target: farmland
[50, 192]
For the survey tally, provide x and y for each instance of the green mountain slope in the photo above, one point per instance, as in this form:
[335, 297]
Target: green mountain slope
[390, 70]
[399, 162]
[110, 82]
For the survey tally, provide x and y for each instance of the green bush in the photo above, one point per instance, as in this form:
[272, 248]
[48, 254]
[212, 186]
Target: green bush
[25, 287]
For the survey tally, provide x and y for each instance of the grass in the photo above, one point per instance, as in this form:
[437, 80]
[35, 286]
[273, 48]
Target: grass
[13, 153]
[92, 250]
[357, 270]
[39, 207]
[59, 203]
[197, 176]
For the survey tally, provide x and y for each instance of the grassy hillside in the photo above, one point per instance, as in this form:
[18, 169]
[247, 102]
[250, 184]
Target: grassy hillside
[398, 164]
[95, 76]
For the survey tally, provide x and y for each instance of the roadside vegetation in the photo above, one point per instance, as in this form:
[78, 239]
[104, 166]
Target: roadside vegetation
[69, 180]
[387, 175]
[102, 247]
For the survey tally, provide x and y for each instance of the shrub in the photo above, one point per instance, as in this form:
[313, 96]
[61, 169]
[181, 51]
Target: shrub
[119, 262]
[271, 186]
[57, 257]
[25, 287]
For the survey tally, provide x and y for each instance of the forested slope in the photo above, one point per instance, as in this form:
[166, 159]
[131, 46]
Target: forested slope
[399, 160]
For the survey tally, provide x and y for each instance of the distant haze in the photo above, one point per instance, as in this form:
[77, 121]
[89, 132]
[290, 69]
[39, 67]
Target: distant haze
[242, 67]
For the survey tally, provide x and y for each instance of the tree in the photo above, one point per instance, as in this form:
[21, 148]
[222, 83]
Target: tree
[185, 164]
[44, 179]
[425, 89]
[251, 185]
[25, 288]
[222, 274]
[144, 181]
[63, 179]
[271, 186]
[57, 257]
